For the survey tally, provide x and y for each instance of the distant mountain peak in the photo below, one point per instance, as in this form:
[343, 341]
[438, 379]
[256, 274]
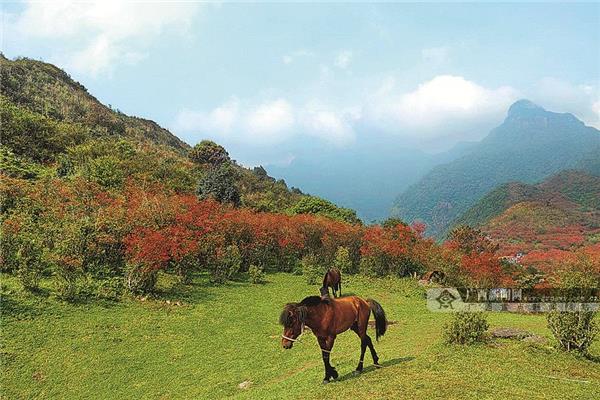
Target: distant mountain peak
[524, 107]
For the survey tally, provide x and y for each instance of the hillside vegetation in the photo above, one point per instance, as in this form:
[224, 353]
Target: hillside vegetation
[51, 124]
[531, 144]
[549, 224]
[571, 190]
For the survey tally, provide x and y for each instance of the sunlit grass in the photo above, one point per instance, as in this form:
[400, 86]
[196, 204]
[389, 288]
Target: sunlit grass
[221, 336]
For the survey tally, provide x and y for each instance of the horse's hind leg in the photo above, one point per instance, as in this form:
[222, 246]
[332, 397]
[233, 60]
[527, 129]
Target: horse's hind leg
[363, 322]
[363, 345]
[373, 352]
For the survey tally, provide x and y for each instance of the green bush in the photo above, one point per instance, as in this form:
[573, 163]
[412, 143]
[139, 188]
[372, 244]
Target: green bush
[370, 266]
[228, 265]
[256, 274]
[574, 331]
[311, 269]
[30, 263]
[140, 280]
[107, 172]
[67, 282]
[466, 328]
[342, 260]
[110, 288]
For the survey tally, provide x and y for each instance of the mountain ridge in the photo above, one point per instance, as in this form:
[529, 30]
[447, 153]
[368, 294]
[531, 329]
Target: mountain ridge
[528, 146]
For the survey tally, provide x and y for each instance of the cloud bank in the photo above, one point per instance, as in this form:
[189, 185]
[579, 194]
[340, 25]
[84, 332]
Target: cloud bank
[420, 112]
[95, 36]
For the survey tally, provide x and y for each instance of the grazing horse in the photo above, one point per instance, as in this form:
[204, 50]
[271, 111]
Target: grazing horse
[327, 319]
[333, 280]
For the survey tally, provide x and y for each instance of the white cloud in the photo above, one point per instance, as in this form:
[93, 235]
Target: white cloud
[343, 59]
[582, 100]
[333, 126]
[220, 120]
[435, 55]
[596, 109]
[98, 35]
[271, 118]
[434, 114]
[436, 102]
[267, 122]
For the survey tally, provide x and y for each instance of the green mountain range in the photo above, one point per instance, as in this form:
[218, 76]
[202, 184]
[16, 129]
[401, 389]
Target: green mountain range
[530, 145]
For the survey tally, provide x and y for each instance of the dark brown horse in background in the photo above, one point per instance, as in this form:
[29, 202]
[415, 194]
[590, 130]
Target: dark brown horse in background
[333, 280]
[327, 319]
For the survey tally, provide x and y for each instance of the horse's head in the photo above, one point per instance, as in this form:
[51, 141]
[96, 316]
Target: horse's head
[292, 318]
[324, 291]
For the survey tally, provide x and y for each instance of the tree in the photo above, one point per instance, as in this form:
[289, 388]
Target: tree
[342, 260]
[316, 205]
[219, 183]
[392, 222]
[209, 153]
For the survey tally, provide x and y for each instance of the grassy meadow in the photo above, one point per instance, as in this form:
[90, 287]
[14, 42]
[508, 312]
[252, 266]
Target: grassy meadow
[201, 341]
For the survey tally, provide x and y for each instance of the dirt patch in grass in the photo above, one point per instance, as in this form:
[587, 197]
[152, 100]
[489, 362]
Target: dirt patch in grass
[372, 323]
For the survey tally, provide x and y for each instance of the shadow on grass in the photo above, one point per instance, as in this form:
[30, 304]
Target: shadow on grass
[18, 308]
[592, 358]
[371, 368]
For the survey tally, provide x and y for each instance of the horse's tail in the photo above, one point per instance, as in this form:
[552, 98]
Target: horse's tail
[380, 320]
[325, 279]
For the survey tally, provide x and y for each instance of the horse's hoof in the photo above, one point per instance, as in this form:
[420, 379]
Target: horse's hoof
[325, 381]
[334, 374]
[377, 365]
[356, 372]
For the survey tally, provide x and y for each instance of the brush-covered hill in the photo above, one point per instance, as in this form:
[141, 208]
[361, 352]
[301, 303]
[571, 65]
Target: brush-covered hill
[570, 188]
[562, 212]
[531, 144]
[49, 92]
[52, 126]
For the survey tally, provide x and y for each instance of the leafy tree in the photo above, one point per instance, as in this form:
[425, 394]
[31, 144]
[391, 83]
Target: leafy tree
[392, 222]
[209, 153]
[219, 183]
[342, 260]
[318, 206]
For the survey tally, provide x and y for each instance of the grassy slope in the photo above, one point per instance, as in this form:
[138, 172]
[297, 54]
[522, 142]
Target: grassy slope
[222, 336]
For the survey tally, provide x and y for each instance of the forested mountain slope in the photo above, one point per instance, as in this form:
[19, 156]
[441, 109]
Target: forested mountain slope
[529, 145]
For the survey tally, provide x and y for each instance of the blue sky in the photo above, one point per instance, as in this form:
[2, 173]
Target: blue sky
[265, 79]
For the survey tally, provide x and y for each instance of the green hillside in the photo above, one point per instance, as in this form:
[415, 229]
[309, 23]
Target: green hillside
[531, 144]
[571, 186]
[51, 125]
[50, 92]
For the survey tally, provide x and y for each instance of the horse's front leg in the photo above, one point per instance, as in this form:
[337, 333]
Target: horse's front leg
[326, 344]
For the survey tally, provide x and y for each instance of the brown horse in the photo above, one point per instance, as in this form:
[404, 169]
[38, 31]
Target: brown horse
[333, 280]
[329, 318]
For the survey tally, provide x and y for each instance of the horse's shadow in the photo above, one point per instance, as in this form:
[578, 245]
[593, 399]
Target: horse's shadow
[372, 368]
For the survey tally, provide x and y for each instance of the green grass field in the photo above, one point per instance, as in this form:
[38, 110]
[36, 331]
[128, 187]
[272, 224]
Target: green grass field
[221, 336]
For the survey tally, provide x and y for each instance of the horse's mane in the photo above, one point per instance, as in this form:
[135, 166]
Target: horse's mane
[300, 309]
[311, 301]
